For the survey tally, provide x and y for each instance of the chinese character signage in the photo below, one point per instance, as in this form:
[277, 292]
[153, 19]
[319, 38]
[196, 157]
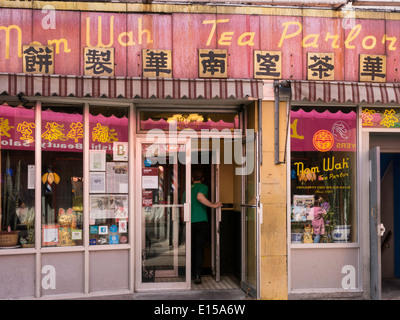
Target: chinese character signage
[99, 61]
[262, 45]
[213, 63]
[38, 59]
[25, 128]
[381, 118]
[103, 134]
[320, 66]
[54, 130]
[59, 131]
[157, 63]
[267, 64]
[372, 68]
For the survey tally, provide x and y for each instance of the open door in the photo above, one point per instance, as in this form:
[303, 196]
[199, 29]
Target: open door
[375, 223]
[216, 226]
[163, 228]
[251, 209]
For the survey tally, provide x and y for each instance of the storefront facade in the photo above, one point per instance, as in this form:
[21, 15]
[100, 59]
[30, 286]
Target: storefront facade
[52, 149]
[357, 248]
[98, 162]
[106, 110]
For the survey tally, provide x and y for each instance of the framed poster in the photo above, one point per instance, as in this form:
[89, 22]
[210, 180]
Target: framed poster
[120, 151]
[97, 159]
[117, 177]
[149, 178]
[301, 206]
[104, 206]
[50, 235]
[121, 206]
[101, 206]
[97, 182]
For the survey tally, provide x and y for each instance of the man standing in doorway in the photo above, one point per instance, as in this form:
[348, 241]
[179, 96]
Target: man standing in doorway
[199, 221]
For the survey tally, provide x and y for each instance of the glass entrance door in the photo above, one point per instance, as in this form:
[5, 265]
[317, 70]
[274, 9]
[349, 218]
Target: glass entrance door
[374, 222]
[164, 234]
[251, 210]
[215, 225]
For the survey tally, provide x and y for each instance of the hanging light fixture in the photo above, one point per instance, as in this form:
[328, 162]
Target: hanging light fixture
[192, 117]
[50, 177]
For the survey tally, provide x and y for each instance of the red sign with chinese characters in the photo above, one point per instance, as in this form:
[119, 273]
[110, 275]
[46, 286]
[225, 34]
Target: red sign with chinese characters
[60, 131]
[240, 35]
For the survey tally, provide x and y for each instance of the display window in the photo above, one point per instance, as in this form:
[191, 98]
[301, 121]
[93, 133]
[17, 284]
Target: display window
[17, 161]
[108, 176]
[323, 163]
[62, 176]
[62, 154]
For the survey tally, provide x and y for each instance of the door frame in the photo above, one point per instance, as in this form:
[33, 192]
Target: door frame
[139, 285]
[216, 221]
[215, 213]
[375, 220]
[374, 276]
[246, 286]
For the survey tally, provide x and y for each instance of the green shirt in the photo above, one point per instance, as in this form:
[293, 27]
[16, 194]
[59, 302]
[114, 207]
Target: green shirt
[199, 210]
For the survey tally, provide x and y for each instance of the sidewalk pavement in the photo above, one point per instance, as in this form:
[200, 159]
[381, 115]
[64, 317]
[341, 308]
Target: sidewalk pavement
[390, 291]
[230, 294]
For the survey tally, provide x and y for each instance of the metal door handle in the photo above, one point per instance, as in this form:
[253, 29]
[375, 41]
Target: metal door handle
[219, 216]
[373, 212]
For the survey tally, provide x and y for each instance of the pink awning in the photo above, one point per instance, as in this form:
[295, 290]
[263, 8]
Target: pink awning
[165, 125]
[18, 131]
[341, 126]
[130, 88]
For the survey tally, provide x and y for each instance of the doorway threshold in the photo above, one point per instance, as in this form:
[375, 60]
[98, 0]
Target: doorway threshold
[390, 289]
[231, 294]
[209, 283]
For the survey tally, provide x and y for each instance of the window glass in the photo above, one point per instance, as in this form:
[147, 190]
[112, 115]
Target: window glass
[382, 117]
[323, 175]
[163, 183]
[17, 215]
[108, 176]
[184, 120]
[62, 173]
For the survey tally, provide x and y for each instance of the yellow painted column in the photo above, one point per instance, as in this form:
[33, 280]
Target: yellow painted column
[274, 266]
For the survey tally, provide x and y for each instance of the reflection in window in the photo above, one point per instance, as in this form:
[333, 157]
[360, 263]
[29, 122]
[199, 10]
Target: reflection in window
[383, 117]
[62, 173]
[183, 121]
[323, 175]
[108, 176]
[17, 215]
[163, 184]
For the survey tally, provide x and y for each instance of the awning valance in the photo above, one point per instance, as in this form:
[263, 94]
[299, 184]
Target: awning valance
[345, 92]
[130, 88]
